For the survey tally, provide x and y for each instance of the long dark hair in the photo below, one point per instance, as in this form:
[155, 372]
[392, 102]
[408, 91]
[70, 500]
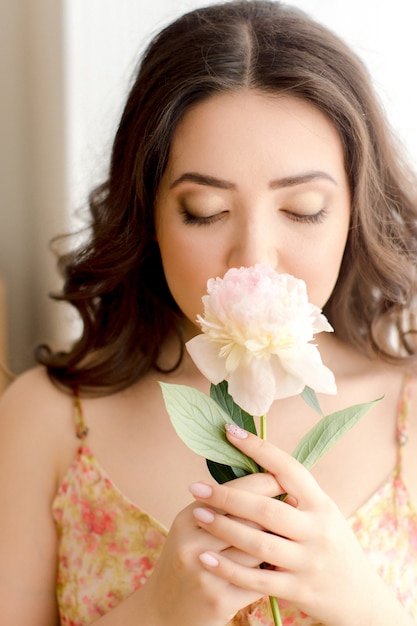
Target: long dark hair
[116, 281]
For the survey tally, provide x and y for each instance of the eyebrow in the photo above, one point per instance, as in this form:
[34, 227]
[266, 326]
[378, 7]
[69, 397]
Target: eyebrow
[301, 179]
[219, 183]
[202, 179]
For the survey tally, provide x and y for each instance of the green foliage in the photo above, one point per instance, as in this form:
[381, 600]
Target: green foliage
[199, 420]
[309, 396]
[221, 395]
[328, 431]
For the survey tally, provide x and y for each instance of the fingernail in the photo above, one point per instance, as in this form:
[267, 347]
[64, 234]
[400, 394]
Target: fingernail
[200, 490]
[208, 559]
[235, 431]
[203, 515]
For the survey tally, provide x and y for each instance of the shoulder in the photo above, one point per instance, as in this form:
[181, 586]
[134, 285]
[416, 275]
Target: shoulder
[35, 379]
[33, 398]
[36, 441]
[36, 421]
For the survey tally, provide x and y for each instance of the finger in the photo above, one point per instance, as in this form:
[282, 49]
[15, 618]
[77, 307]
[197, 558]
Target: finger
[186, 531]
[262, 581]
[262, 483]
[267, 513]
[264, 546]
[243, 558]
[294, 479]
[207, 541]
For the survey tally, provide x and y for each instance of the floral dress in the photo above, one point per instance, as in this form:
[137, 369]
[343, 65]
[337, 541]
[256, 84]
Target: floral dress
[108, 547]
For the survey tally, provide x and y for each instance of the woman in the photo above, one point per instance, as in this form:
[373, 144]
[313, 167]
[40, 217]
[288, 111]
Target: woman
[251, 135]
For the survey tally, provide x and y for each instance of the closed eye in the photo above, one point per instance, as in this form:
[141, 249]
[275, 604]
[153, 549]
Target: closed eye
[199, 220]
[307, 218]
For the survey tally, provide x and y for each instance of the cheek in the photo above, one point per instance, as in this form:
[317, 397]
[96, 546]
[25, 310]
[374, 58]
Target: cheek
[188, 297]
[324, 274]
[186, 279]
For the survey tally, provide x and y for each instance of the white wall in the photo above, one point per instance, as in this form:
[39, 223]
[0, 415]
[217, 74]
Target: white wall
[105, 38]
[104, 41]
[383, 33]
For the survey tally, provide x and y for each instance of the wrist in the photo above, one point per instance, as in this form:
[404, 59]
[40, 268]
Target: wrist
[377, 606]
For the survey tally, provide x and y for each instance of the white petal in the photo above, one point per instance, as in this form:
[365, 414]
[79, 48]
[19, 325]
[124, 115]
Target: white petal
[252, 387]
[205, 355]
[321, 323]
[286, 383]
[234, 358]
[322, 380]
[305, 362]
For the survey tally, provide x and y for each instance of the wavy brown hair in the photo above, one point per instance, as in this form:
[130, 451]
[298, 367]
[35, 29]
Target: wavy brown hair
[116, 281]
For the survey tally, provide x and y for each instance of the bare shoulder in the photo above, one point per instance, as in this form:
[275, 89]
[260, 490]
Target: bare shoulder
[36, 442]
[35, 382]
[36, 419]
[32, 394]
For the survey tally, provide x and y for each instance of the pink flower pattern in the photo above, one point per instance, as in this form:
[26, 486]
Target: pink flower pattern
[108, 547]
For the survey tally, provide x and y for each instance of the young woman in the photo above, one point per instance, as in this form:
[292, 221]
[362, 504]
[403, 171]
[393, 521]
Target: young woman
[251, 135]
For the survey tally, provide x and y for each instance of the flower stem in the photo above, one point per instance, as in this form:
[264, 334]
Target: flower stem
[262, 426]
[275, 611]
[273, 601]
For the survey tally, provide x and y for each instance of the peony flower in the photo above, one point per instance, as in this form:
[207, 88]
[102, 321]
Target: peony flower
[256, 333]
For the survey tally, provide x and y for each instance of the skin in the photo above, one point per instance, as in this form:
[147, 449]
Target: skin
[208, 568]
[251, 179]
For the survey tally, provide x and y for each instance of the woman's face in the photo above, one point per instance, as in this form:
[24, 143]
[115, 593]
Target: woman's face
[252, 178]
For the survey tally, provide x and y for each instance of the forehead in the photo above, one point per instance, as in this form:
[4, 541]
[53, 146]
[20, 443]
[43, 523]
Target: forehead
[243, 133]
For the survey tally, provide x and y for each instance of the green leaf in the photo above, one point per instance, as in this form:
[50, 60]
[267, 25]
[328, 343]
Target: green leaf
[223, 473]
[328, 431]
[200, 423]
[220, 472]
[221, 395]
[309, 396]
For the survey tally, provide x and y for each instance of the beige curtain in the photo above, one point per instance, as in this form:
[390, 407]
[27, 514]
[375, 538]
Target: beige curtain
[32, 170]
[3, 348]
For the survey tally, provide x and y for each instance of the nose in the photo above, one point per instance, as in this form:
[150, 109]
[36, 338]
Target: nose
[255, 241]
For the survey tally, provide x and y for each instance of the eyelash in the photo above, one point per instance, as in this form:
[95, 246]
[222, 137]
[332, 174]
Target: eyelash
[315, 218]
[196, 220]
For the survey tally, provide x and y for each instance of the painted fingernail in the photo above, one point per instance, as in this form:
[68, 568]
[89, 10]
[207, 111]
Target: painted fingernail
[203, 515]
[208, 559]
[200, 490]
[235, 431]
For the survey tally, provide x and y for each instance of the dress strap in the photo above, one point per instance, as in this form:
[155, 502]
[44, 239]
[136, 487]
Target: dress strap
[402, 417]
[81, 429]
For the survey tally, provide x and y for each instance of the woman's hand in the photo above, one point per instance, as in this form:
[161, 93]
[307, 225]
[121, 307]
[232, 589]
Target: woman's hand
[317, 563]
[182, 591]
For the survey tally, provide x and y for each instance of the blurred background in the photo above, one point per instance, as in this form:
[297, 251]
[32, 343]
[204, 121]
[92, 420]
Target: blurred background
[65, 68]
